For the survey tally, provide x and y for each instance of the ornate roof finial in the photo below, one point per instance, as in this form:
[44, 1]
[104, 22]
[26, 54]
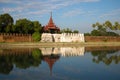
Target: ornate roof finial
[50, 23]
[51, 13]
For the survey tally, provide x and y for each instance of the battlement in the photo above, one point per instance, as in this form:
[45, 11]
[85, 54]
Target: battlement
[14, 34]
[6, 37]
[72, 37]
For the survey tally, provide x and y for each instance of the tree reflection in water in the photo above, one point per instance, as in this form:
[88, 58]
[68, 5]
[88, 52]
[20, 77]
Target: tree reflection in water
[106, 57]
[21, 61]
[26, 58]
[5, 64]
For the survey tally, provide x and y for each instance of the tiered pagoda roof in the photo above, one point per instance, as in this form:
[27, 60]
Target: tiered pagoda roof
[51, 27]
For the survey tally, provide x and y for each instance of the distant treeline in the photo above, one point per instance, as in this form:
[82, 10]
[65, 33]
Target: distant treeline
[23, 26]
[105, 29]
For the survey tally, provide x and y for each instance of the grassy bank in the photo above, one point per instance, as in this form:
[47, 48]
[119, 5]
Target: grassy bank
[50, 44]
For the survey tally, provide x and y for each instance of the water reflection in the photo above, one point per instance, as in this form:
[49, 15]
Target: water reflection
[64, 51]
[106, 57]
[21, 58]
[50, 60]
[25, 58]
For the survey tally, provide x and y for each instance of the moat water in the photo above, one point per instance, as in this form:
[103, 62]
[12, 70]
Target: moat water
[65, 63]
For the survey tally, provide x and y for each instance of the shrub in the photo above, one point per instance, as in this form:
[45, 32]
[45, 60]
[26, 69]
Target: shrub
[36, 36]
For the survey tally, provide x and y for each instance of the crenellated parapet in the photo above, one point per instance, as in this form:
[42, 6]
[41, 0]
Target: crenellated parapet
[15, 37]
[72, 37]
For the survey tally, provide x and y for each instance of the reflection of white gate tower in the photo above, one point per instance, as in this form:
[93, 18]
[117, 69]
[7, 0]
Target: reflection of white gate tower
[64, 51]
[72, 51]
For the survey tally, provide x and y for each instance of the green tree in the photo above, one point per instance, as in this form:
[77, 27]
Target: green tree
[6, 22]
[116, 26]
[23, 26]
[108, 24]
[87, 34]
[37, 26]
[105, 29]
[75, 31]
[95, 32]
[67, 30]
[36, 36]
[112, 34]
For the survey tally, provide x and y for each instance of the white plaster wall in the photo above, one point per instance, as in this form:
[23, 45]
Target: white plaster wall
[64, 37]
[57, 37]
[46, 37]
[72, 37]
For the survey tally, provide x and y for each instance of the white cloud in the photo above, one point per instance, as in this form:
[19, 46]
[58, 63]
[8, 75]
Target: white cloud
[40, 4]
[9, 10]
[10, 1]
[39, 7]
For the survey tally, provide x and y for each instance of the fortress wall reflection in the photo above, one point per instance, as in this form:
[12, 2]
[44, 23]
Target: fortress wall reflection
[49, 51]
[16, 51]
[99, 48]
[63, 51]
[72, 51]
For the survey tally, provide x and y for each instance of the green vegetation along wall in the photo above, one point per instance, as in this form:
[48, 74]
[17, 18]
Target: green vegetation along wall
[22, 26]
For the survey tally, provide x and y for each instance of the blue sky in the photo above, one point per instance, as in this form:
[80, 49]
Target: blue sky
[74, 14]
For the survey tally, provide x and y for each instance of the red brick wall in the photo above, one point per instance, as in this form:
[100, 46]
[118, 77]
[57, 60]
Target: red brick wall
[15, 37]
[28, 38]
[102, 38]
